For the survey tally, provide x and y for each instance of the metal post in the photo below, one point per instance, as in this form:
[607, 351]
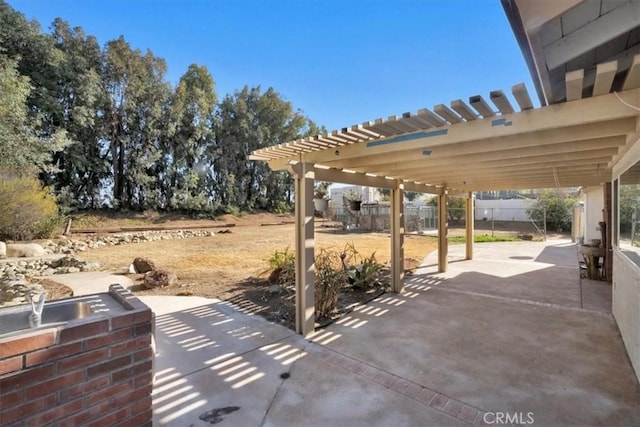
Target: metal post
[492, 224]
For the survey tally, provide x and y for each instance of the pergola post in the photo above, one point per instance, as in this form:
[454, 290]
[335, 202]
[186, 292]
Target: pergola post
[469, 222]
[305, 305]
[443, 229]
[397, 238]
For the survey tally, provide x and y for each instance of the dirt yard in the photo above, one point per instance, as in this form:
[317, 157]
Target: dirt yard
[233, 265]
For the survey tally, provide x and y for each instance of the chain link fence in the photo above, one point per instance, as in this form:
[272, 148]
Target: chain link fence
[424, 219]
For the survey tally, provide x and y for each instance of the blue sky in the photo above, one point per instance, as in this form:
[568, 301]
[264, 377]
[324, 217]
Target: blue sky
[340, 62]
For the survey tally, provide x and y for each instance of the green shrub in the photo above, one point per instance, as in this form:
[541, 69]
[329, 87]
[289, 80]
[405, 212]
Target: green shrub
[283, 268]
[27, 210]
[364, 272]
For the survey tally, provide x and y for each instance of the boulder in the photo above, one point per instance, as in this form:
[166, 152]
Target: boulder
[3, 250]
[159, 279]
[24, 250]
[143, 265]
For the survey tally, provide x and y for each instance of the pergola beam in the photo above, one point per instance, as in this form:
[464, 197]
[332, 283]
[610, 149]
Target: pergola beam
[579, 138]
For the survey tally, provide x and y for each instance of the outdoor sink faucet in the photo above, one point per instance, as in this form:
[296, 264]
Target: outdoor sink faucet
[35, 317]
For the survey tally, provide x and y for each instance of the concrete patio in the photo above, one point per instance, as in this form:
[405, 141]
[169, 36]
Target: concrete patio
[513, 331]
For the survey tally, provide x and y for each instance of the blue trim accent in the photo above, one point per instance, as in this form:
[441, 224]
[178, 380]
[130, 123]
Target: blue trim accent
[404, 138]
[426, 152]
[502, 121]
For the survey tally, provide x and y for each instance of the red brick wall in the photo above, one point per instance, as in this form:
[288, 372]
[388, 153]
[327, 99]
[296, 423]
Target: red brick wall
[97, 373]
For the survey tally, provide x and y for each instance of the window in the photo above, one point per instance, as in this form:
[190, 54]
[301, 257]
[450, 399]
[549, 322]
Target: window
[629, 213]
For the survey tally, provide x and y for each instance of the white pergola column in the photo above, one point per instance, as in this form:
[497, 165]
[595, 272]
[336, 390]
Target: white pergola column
[443, 230]
[305, 271]
[397, 238]
[470, 226]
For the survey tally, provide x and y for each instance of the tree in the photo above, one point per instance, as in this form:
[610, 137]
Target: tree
[27, 59]
[556, 206]
[246, 121]
[629, 204]
[137, 95]
[80, 98]
[455, 207]
[186, 149]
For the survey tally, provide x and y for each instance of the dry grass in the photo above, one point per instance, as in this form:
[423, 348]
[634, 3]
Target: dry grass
[214, 266]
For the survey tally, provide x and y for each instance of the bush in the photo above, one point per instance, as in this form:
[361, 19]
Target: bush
[283, 268]
[329, 281]
[364, 272]
[556, 207]
[27, 210]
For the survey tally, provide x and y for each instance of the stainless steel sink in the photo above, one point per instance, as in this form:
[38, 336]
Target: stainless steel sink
[17, 318]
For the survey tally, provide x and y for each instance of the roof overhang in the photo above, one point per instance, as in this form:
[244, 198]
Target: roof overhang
[558, 37]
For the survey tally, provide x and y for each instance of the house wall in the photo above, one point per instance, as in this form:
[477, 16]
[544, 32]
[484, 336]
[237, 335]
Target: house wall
[626, 282]
[594, 204]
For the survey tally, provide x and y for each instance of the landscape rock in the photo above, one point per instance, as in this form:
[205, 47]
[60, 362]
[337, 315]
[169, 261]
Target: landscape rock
[3, 250]
[143, 265]
[159, 279]
[24, 250]
[275, 289]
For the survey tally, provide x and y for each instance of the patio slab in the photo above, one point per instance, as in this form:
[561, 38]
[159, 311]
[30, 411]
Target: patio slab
[515, 330]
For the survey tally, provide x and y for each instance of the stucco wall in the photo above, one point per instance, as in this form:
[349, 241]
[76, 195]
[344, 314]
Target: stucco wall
[626, 305]
[594, 204]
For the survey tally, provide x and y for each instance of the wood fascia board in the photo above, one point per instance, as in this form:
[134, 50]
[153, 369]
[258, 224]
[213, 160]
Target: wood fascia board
[581, 112]
[588, 37]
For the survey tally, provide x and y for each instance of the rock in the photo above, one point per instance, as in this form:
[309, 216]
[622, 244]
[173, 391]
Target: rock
[90, 266]
[3, 250]
[275, 289]
[48, 272]
[73, 270]
[23, 250]
[159, 279]
[143, 265]
[132, 269]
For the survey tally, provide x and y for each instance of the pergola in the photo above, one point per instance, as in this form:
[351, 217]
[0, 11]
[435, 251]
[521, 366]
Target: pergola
[454, 151]
[588, 120]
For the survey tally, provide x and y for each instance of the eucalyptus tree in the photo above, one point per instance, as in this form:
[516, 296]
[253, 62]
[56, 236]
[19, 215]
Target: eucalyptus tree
[28, 61]
[246, 121]
[186, 156]
[80, 99]
[136, 99]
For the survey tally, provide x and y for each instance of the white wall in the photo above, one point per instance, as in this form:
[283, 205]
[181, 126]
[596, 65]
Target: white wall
[594, 204]
[503, 210]
[626, 282]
